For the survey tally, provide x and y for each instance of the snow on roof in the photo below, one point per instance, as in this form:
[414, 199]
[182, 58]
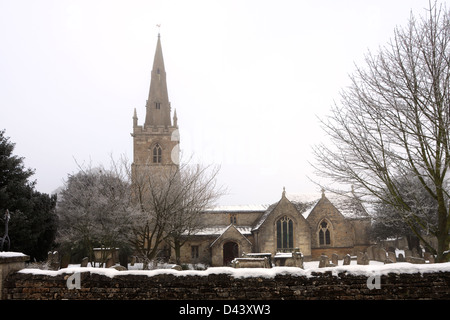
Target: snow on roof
[347, 204]
[359, 270]
[239, 208]
[218, 230]
[9, 254]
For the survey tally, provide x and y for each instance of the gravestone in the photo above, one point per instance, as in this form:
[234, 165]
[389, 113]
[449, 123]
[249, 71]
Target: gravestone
[408, 253]
[347, 259]
[365, 259]
[362, 258]
[109, 263]
[334, 259]
[428, 257]
[370, 253]
[415, 260]
[392, 257]
[381, 254]
[65, 260]
[119, 268]
[376, 255]
[84, 262]
[53, 260]
[297, 258]
[324, 261]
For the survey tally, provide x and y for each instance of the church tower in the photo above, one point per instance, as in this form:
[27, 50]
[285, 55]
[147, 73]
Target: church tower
[156, 142]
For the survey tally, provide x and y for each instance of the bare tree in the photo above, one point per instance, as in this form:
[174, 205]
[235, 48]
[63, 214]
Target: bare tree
[170, 200]
[94, 209]
[392, 124]
[198, 191]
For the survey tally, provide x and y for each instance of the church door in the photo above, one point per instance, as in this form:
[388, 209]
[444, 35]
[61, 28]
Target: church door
[230, 251]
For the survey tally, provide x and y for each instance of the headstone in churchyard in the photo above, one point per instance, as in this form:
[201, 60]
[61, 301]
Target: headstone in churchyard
[365, 259]
[375, 253]
[119, 268]
[84, 262]
[109, 263]
[362, 258]
[381, 254]
[334, 259]
[297, 258]
[347, 259]
[324, 262]
[53, 260]
[408, 253]
[415, 260]
[370, 253]
[359, 256]
[65, 260]
[391, 256]
[177, 267]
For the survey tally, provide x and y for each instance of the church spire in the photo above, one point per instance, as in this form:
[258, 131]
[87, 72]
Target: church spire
[158, 105]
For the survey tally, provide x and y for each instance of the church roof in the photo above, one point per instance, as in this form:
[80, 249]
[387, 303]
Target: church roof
[241, 231]
[239, 208]
[219, 230]
[347, 204]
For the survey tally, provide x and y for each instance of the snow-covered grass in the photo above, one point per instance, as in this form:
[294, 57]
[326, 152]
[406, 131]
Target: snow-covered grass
[374, 268]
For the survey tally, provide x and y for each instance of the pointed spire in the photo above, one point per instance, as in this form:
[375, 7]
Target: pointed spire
[175, 119]
[158, 106]
[135, 118]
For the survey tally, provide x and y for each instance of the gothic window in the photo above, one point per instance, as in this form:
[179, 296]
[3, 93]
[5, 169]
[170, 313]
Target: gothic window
[157, 153]
[233, 218]
[324, 234]
[285, 234]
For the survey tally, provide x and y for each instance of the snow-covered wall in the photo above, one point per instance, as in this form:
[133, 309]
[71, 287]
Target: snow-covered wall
[394, 281]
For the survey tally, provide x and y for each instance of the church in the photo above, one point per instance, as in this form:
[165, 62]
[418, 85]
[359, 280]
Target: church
[312, 223]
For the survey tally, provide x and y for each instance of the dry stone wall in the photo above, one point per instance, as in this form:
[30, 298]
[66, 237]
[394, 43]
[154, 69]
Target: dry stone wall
[168, 286]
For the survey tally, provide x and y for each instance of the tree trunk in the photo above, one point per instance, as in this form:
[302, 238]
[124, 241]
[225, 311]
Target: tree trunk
[177, 248]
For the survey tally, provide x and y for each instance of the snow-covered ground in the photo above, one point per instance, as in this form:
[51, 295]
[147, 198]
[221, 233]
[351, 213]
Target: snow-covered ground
[374, 268]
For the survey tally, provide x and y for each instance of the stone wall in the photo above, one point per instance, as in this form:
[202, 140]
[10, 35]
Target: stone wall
[208, 286]
[9, 263]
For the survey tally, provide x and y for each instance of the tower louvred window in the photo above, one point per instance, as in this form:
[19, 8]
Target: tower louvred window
[157, 154]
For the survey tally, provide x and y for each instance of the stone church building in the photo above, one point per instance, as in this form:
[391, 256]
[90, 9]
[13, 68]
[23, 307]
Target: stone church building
[312, 223]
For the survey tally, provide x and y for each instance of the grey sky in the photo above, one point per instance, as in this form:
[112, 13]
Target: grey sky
[247, 78]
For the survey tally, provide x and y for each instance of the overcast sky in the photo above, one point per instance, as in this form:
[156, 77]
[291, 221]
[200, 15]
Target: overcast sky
[248, 80]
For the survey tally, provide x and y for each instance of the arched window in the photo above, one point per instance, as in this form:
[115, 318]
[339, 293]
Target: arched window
[324, 234]
[285, 234]
[157, 152]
